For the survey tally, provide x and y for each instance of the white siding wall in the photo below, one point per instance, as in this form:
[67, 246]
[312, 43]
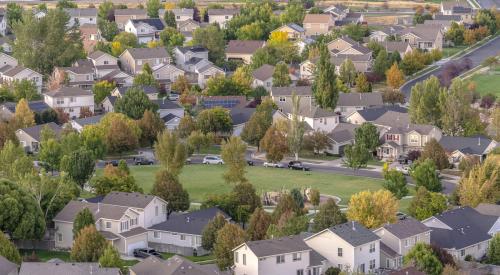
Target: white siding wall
[150, 217]
[72, 108]
[174, 238]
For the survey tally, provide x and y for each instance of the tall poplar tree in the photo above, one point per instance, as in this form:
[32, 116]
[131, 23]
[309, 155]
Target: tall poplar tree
[324, 88]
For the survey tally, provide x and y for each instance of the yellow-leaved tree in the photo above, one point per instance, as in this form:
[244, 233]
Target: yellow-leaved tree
[395, 77]
[277, 38]
[372, 209]
[482, 184]
[24, 117]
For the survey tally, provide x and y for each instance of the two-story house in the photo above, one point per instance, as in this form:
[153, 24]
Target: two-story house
[145, 29]
[243, 50]
[385, 33]
[221, 16]
[397, 239]
[181, 233]
[349, 246]
[90, 35]
[3, 24]
[316, 24]
[10, 74]
[186, 56]
[181, 14]
[477, 147]
[78, 76]
[132, 60]
[286, 255]
[122, 16]
[81, 16]
[103, 63]
[30, 137]
[371, 114]
[423, 37]
[166, 74]
[463, 231]
[70, 99]
[399, 140]
[294, 31]
[263, 76]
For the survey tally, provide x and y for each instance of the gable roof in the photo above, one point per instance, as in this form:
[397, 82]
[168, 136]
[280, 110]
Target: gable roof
[145, 53]
[34, 131]
[99, 210]
[6, 266]
[395, 46]
[69, 91]
[371, 114]
[79, 69]
[360, 99]
[244, 46]
[188, 12]
[157, 23]
[406, 227]
[97, 54]
[81, 12]
[241, 115]
[471, 145]
[488, 209]
[422, 31]
[176, 265]
[422, 129]
[354, 233]
[194, 49]
[264, 72]
[146, 89]
[288, 91]
[270, 247]
[62, 268]
[223, 11]
[295, 27]
[393, 119]
[88, 120]
[189, 223]
[136, 200]
[306, 109]
[16, 70]
[318, 18]
[36, 106]
[165, 104]
[130, 11]
[343, 132]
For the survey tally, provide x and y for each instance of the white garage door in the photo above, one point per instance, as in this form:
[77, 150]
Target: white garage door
[132, 246]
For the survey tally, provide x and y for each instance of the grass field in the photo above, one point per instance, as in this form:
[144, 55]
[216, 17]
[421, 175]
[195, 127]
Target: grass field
[447, 52]
[202, 180]
[487, 83]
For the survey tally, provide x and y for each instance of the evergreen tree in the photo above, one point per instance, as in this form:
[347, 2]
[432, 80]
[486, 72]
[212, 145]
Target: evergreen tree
[281, 76]
[324, 87]
[83, 219]
[258, 224]
[362, 84]
[8, 250]
[111, 258]
[329, 214]
[494, 250]
[424, 173]
[209, 233]
[381, 63]
[347, 72]
[169, 18]
[88, 246]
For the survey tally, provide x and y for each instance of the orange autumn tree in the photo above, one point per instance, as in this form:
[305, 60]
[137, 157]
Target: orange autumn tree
[395, 77]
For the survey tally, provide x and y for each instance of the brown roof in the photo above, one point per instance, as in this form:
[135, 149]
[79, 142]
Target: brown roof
[145, 53]
[318, 18]
[14, 71]
[422, 31]
[69, 91]
[99, 210]
[244, 46]
[130, 12]
[136, 200]
[264, 72]
[223, 11]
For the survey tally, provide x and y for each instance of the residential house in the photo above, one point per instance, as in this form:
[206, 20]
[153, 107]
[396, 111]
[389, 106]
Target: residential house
[175, 265]
[445, 25]
[29, 138]
[166, 107]
[263, 76]
[476, 147]
[283, 94]
[315, 117]
[371, 114]
[349, 246]
[423, 37]
[227, 102]
[3, 24]
[385, 33]
[81, 16]
[181, 233]
[71, 100]
[171, 121]
[188, 26]
[8, 109]
[243, 50]
[186, 57]
[316, 24]
[286, 255]
[181, 14]
[397, 46]
[341, 136]
[7, 60]
[11, 74]
[103, 63]
[108, 104]
[145, 30]
[122, 16]
[7, 267]
[132, 60]
[239, 117]
[151, 91]
[338, 11]
[62, 268]
[166, 74]
[451, 7]
[6, 45]
[79, 123]
[350, 18]
[397, 239]
[398, 141]
[204, 73]
[294, 31]
[90, 36]
[120, 78]
[78, 76]
[463, 231]
[349, 103]
[221, 16]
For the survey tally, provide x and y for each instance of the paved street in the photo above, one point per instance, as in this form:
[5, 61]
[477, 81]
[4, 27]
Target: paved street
[477, 56]
[488, 4]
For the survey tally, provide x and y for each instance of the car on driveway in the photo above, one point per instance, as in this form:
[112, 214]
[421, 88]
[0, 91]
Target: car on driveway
[143, 161]
[273, 164]
[297, 165]
[212, 160]
[146, 252]
[173, 97]
[250, 163]
[113, 162]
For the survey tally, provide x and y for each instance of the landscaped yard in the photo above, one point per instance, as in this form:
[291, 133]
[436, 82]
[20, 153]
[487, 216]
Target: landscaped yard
[45, 255]
[447, 52]
[486, 83]
[202, 180]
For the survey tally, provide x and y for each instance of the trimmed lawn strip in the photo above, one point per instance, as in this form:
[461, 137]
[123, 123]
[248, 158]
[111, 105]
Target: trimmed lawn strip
[45, 255]
[447, 52]
[486, 83]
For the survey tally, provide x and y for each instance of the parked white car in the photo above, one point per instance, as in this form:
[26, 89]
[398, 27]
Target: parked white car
[212, 160]
[404, 169]
[273, 164]
[173, 97]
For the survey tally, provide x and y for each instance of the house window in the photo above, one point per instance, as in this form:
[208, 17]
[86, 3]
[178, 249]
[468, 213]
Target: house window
[372, 264]
[71, 110]
[462, 252]
[60, 101]
[178, 17]
[296, 257]
[372, 247]
[362, 268]
[156, 234]
[282, 99]
[72, 99]
[236, 257]
[156, 210]
[268, 84]
[157, 75]
[280, 259]
[59, 237]
[244, 259]
[124, 226]
[106, 62]
[139, 62]
[406, 243]
[387, 263]
[164, 209]
[227, 17]
[339, 252]
[183, 237]
[300, 271]
[413, 139]
[108, 225]
[35, 79]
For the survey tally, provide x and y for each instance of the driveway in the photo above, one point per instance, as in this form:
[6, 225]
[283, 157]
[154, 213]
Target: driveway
[477, 56]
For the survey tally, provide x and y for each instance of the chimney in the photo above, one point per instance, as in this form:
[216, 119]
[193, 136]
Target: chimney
[187, 219]
[478, 141]
[462, 231]
[353, 228]
[98, 207]
[91, 269]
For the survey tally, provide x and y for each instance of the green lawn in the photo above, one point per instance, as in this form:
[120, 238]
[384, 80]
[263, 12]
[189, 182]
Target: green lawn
[45, 255]
[487, 83]
[201, 180]
[447, 52]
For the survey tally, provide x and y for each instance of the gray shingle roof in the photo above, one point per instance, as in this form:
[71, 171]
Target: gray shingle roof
[395, 46]
[96, 54]
[295, 27]
[263, 72]
[14, 71]
[146, 89]
[6, 267]
[241, 115]
[393, 119]
[133, 232]
[165, 104]
[69, 212]
[424, 32]
[188, 12]
[223, 11]
[82, 12]
[371, 114]
[488, 209]
[195, 49]
[360, 99]
[306, 109]
[69, 91]
[136, 200]
[244, 46]
[157, 23]
[130, 12]
[354, 233]
[406, 228]
[36, 106]
[422, 129]
[447, 17]
[343, 132]
[288, 244]
[175, 265]
[470, 145]
[88, 120]
[32, 268]
[145, 53]
[109, 235]
[34, 131]
[388, 251]
[79, 69]
[189, 223]
[288, 91]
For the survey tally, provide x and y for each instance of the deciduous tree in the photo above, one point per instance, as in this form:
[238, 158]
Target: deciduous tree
[494, 250]
[356, 156]
[362, 84]
[317, 141]
[152, 7]
[23, 117]
[324, 87]
[111, 258]
[424, 102]
[481, 184]
[168, 187]
[423, 258]
[51, 153]
[171, 152]
[198, 140]
[329, 214]
[233, 153]
[258, 225]
[260, 121]
[134, 103]
[88, 246]
[367, 135]
[216, 120]
[395, 182]
[275, 144]
[83, 219]
[395, 77]
[381, 63]
[281, 76]
[424, 174]
[79, 165]
[296, 129]
[186, 126]
[102, 89]
[151, 125]
[347, 72]
[211, 38]
[434, 151]
[8, 250]
[426, 204]
[228, 237]
[372, 209]
[209, 233]
[169, 18]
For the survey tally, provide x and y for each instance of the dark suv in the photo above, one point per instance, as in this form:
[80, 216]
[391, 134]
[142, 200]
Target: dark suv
[146, 252]
[297, 165]
[143, 161]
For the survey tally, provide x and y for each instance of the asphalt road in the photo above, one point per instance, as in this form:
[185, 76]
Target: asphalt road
[488, 4]
[477, 56]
